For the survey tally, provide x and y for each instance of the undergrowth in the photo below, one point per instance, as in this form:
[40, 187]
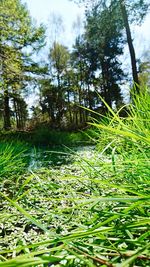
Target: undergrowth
[44, 135]
[94, 212]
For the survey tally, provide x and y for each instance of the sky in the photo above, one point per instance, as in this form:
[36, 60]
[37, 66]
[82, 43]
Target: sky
[41, 10]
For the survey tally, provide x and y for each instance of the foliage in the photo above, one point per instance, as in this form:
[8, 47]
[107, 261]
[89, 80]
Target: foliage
[12, 159]
[144, 75]
[43, 135]
[106, 44]
[92, 208]
[20, 38]
[128, 12]
[65, 80]
[47, 136]
[92, 65]
[91, 213]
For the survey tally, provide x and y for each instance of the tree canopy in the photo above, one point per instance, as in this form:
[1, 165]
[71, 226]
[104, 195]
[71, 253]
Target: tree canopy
[68, 81]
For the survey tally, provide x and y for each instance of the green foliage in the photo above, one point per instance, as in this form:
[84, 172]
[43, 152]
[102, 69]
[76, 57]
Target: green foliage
[12, 158]
[124, 13]
[92, 213]
[92, 65]
[144, 75]
[106, 45]
[20, 39]
[68, 80]
[59, 57]
[44, 135]
[47, 136]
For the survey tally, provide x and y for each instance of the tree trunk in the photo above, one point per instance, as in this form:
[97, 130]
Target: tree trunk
[69, 107]
[80, 103]
[106, 87]
[130, 44]
[16, 113]
[7, 124]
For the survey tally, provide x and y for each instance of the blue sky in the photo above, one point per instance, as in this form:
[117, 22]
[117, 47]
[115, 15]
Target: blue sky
[42, 9]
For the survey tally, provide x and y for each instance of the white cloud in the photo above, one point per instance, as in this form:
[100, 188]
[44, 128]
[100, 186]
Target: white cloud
[41, 10]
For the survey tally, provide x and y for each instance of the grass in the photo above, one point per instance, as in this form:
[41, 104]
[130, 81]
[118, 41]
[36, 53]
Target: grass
[12, 158]
[93, 212]
[44, 135]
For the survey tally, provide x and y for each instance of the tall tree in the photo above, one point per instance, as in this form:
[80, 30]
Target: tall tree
[20, 38]
[130, 11]
[130, 43]
[48, 99]
[106, 44]
[59, 58]
[83, 63]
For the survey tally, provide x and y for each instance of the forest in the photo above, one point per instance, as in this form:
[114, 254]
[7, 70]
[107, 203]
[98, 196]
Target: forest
[74, 138]
[67, 80]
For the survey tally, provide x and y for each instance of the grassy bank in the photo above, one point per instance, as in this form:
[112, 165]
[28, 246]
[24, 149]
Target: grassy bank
[93, 212]
[43, 135]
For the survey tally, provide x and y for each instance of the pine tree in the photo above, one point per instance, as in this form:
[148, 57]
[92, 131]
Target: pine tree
[20, 38]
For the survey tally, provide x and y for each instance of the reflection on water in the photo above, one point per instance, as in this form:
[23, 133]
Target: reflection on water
[45, 157]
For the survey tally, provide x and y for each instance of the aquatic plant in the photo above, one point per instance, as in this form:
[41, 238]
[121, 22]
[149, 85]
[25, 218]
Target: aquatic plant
[92, 213]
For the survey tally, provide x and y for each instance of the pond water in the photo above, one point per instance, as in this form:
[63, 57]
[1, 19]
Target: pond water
[46, 157]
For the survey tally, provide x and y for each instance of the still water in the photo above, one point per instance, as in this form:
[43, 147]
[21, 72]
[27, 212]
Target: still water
[46, 157]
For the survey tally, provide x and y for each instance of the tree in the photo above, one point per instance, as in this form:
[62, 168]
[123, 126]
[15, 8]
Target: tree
[104, 37]
[48, 99]
[20, 111]
[59, 58]
[83, 63]
[144, 70]
[130, 43]
[20, 38]
[130, 11]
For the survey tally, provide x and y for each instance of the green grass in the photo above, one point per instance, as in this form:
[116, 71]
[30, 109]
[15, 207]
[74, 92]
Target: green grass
[12, 158]
[93, 212]
[44, 135]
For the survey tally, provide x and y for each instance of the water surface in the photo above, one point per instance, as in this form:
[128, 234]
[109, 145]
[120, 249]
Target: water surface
[55, 157]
